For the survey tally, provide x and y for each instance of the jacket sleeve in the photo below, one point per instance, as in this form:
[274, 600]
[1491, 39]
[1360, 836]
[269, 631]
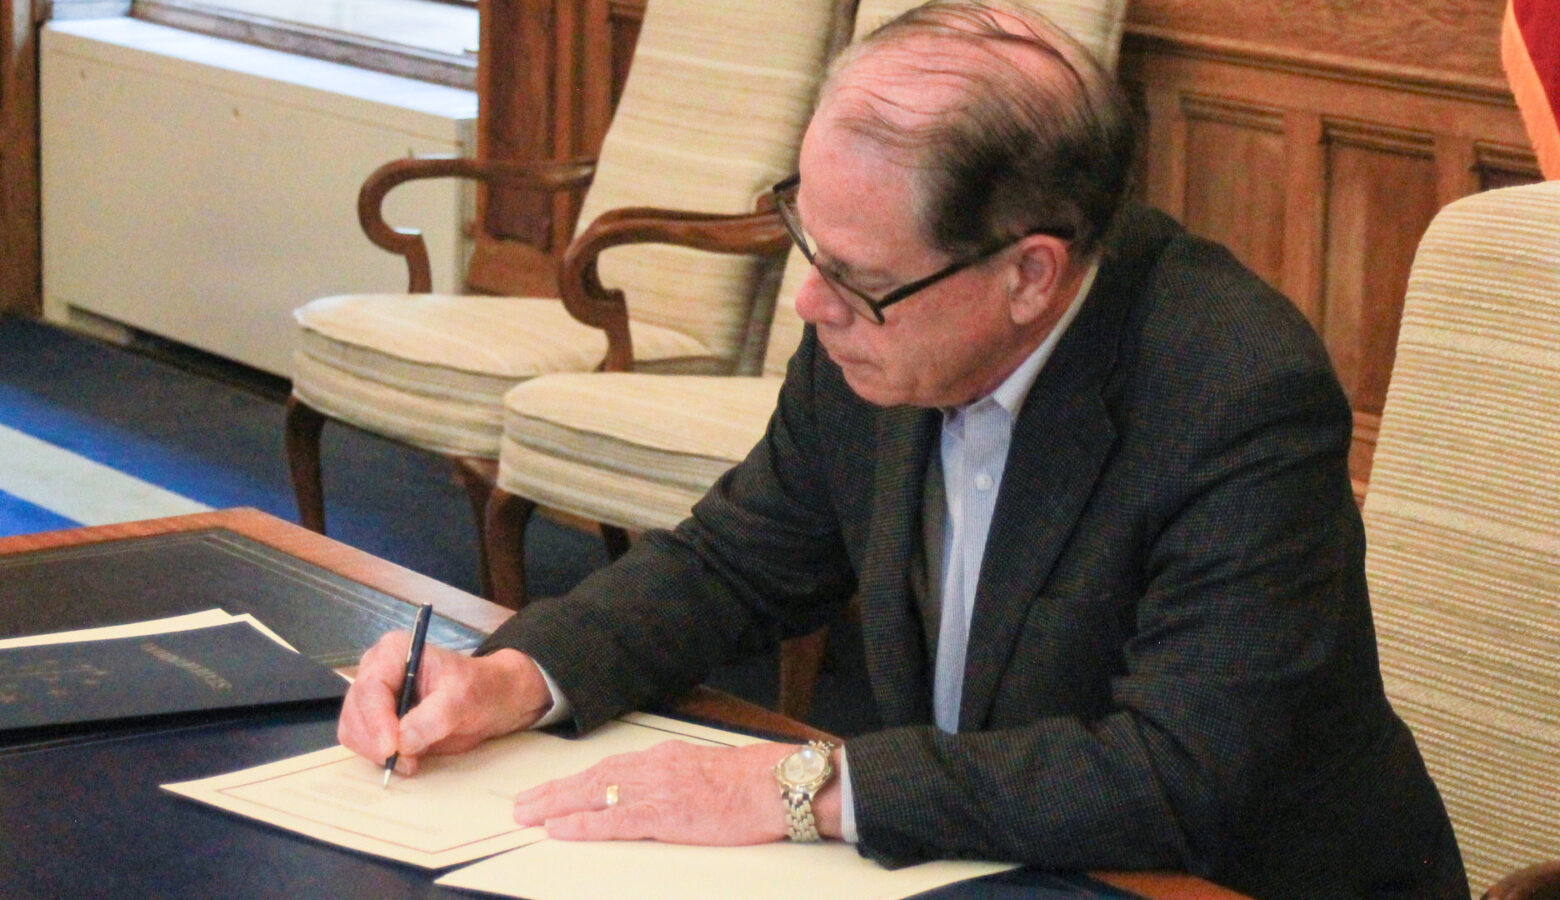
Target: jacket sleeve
[760, 559]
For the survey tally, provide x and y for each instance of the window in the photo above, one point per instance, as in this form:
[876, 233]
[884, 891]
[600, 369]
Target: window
[432, 40]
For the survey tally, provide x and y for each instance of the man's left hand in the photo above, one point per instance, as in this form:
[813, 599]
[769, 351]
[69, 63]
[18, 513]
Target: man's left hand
[674, 792]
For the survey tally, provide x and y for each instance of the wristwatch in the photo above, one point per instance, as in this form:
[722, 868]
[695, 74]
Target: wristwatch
[801, 775]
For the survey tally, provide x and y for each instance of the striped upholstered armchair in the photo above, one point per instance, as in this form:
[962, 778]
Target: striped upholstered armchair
[635, 451]
[1463, 523]
[711, 115]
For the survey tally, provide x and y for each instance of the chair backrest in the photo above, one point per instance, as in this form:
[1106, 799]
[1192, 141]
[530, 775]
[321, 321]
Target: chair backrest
[785, 330]
[711, 116]
[1463, 521]
[1096, 24]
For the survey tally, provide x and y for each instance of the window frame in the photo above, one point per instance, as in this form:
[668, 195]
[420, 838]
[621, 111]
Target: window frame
[349, 49]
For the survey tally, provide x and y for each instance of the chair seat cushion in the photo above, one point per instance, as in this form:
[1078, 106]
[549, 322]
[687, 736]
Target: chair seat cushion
[629, 449]
[432, 369]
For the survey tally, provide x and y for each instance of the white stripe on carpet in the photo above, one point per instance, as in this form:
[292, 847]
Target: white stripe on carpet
[78, 488]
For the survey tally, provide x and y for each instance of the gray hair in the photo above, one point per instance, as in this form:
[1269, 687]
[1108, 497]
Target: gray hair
[1042, 137]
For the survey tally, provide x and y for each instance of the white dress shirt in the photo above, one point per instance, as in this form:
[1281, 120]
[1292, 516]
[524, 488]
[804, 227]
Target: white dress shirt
[974, 449]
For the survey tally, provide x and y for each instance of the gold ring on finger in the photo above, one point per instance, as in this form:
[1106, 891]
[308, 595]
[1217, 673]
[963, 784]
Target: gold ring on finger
[612, 795]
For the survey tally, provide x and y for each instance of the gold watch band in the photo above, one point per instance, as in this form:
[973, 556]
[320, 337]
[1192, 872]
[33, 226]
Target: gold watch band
[801, 775]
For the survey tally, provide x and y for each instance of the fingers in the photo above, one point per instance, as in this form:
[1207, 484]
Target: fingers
[675, 792]
[444, 722]
[368, 724]
[578, 808]
[620, 823]
[582, 792]
[462, 701]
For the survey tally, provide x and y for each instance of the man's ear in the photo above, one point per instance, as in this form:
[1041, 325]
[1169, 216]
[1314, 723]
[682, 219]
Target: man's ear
[1038, 275]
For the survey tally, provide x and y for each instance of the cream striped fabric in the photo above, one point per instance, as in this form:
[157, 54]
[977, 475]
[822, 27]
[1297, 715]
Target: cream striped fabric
[737, 96]
[1096, 25]
[711, 116]
[636, 450]
[785, 329]
[432, 369]
[1463, 519]
[627, 449]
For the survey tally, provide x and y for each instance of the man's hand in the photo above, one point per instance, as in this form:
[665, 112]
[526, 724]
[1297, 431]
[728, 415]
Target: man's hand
[462, 701]
[675, 792]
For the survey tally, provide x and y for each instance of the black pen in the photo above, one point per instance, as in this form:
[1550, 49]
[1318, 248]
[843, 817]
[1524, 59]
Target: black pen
[409, 682]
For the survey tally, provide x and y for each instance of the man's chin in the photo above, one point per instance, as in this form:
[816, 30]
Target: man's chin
[869, 389]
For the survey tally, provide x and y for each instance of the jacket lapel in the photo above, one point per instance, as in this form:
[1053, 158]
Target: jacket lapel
[1061, 441]
[891, 629]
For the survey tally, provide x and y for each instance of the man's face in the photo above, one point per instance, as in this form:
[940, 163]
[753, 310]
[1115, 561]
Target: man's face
[944, 346]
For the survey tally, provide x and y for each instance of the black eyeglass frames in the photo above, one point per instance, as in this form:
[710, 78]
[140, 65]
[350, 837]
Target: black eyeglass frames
[862, 303]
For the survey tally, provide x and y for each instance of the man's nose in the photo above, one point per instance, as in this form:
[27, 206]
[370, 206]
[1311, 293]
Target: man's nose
[818, 303]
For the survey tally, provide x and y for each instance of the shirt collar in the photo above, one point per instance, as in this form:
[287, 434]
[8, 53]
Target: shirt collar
[1010, 394]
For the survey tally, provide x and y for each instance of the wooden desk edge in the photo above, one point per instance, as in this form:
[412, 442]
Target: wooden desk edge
[346, 561]
[1167, 886]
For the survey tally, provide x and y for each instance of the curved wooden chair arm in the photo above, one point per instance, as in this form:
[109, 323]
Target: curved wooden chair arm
[1536, 882]
[541, 176]
[590, 302]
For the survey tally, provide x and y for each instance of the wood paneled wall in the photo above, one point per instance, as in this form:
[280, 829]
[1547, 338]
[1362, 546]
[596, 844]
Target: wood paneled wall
[1317, 139]
[19, 254]
[549, 73]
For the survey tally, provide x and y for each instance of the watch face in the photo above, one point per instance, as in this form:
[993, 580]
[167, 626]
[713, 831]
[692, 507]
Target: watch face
[803, 766]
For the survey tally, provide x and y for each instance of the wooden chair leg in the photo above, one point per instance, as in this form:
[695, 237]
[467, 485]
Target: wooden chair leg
[616, 540]
[507, 516]
[800, 660]
[302, 439]
[479, 477]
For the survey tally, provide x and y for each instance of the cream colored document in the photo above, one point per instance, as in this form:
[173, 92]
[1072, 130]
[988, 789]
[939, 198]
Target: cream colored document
[209, 618]
[185, 622]
[454, 810]
[569, 870]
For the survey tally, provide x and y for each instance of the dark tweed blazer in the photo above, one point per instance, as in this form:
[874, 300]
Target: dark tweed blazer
[1171, 661]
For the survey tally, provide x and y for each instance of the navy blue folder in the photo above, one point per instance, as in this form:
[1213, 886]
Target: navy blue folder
[225, 667]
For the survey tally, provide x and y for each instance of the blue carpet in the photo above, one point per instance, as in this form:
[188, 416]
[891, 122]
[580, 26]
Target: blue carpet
[17, 516]
[220, 444]
[212, 432]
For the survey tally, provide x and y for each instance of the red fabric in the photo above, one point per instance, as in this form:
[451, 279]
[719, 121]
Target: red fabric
[1530, 50]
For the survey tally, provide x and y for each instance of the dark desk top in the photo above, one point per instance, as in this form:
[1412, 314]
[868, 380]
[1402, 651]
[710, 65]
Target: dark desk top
[87, 819]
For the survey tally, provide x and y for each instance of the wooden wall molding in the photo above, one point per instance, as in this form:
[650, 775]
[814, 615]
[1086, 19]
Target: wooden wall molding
[1441, 40]
[1318, 64]
[20, 286]
[1230, 112]
[1378, 137]
[1259, 80]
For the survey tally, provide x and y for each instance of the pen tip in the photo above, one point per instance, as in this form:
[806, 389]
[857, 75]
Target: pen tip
[386, 782]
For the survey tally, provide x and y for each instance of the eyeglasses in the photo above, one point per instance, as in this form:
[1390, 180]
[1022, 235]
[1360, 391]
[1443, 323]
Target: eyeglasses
[860, 302]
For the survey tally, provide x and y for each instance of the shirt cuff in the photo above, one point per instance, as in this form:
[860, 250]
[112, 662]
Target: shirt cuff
[561, 708]
[847, 802]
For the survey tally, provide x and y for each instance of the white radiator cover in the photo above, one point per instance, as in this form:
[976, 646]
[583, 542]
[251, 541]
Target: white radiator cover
[201, 189]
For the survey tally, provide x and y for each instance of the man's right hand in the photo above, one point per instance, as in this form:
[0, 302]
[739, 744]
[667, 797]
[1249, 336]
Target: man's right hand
[462, 701]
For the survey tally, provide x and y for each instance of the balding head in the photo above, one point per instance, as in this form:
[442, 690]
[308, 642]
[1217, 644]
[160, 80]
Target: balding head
[1009, 124]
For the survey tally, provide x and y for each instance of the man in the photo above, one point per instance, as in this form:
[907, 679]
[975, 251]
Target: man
[1087, 477]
